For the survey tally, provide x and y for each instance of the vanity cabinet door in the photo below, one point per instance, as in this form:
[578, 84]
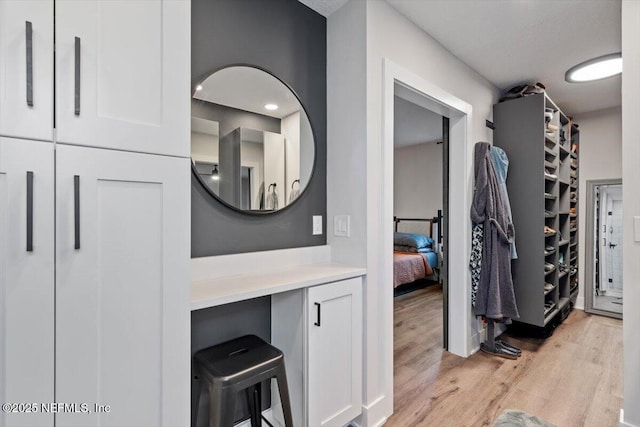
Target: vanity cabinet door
[26, 280]
[334, 377]
[26, 69]
[123, 73]
[122, 292]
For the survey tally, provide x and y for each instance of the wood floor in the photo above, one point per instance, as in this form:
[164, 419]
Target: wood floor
[573, 378]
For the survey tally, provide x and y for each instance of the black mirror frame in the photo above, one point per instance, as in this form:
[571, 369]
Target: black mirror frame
[254, 213]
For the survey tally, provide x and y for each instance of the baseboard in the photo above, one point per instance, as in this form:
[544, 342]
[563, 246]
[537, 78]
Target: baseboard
[622, 422]
[579, 302]
[375, 414]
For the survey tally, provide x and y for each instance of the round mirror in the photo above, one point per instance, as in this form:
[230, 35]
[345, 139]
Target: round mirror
[252, 145]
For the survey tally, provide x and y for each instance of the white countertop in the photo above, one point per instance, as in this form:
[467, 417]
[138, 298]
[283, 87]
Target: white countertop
[223, 290]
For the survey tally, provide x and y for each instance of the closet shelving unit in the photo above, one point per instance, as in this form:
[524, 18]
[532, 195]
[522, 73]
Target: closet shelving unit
[542, 194]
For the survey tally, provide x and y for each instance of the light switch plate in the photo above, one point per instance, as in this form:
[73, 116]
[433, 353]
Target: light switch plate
[342, 225]
[317, 225]
[636, 228]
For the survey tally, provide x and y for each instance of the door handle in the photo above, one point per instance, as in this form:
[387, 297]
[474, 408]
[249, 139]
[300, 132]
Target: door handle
[29, 211]
[612, 245]
[77, 77]
[317, 322]
[76, 211]
[29, 56]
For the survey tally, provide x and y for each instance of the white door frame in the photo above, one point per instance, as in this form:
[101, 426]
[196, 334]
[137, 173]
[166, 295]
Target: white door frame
[459, 112]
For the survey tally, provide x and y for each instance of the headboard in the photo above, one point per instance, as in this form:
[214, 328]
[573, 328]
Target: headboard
[426, 226]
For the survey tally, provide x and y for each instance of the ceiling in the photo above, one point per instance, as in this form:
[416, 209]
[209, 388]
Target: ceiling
[510, 42]
[249, 89]
[414, 124]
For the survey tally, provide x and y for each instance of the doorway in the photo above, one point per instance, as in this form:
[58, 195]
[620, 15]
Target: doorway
[420, 179]
[603, 274]
[462, 329]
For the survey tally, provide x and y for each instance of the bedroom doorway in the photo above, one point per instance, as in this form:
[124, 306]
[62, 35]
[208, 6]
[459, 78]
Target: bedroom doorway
[420, 206]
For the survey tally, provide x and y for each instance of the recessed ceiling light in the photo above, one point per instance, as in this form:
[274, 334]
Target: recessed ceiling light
[595, 69]
[198, 88]
[271, 107]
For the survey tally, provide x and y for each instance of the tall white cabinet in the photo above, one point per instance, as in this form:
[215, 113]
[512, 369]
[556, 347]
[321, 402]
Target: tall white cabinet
[121, 262]
[122, 74]
[94, 223]
[26, 278]
[26, 69]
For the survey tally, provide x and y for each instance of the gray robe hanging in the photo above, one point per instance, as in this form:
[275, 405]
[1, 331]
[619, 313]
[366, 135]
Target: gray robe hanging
[495, 298]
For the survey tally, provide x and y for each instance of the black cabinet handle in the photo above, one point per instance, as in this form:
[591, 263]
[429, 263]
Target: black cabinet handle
[29, 38]
[77, 77]
[317, 322]
[76, 211]
[29, 211]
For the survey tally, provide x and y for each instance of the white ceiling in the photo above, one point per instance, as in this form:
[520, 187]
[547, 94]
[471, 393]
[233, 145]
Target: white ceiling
[522, 41]
[414, 124]
[248, 89]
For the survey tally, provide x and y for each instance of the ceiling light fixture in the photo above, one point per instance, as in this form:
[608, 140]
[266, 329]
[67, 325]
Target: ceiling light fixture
[271, 107]
[595, 69]
[198, 88]
[215, 175]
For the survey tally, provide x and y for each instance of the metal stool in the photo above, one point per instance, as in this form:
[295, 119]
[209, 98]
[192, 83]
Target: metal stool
[237, 365]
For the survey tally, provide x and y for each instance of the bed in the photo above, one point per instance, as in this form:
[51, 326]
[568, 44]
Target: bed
[416, 250]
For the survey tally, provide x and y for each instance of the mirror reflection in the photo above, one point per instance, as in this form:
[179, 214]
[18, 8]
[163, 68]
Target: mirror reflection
[251, 141]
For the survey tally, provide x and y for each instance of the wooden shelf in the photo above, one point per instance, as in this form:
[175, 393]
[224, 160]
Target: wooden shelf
[549, 196]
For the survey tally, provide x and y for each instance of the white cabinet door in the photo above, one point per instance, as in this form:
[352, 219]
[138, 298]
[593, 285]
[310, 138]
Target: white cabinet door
[334, 375]
[26, 69]
[26, 279]
[123, 73]
[122, 290]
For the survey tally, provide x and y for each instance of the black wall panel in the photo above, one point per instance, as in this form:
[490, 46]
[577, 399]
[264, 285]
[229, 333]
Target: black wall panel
[287, 39]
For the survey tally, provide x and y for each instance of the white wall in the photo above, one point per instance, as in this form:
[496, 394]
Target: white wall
[355, 150]
[290, 129]
[417, 180]
[631, 207]
[600, 158]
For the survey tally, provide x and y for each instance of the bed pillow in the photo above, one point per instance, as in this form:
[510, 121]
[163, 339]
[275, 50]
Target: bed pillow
[402, 248]
[417, 241]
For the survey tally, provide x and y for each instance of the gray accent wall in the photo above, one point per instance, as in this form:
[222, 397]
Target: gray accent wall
[287, 39]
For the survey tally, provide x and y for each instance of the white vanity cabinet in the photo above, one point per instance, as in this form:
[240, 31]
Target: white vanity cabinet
[123, 74]
[26, 69]
[26, 279]
[319, 329]
[334, 353]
